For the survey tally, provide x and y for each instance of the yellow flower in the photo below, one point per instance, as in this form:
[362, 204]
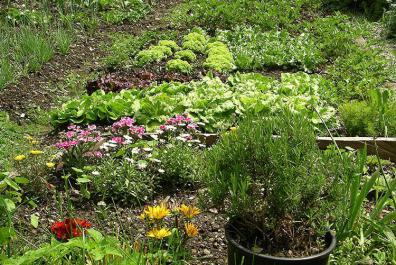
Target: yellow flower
[34, 142]
[36, 152]
[189, 211]
[50, 164]
[233, 129]
[142, 216]
[191, 230]
[159, 233]
[158, 212]
[28, 137]
[19, 157]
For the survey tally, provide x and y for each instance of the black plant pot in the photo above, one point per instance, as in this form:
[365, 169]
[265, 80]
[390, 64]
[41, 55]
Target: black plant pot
[239, 255]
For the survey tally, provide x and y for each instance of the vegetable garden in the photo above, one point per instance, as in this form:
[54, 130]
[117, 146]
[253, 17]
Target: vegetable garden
[198, 132]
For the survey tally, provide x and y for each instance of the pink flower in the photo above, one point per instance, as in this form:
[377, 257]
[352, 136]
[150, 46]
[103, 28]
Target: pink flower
[98, 154]
[191, 126]
[70, 134]
[92, 127]
[66, 145]
[163, 127]
[71, 127]
[118, 140]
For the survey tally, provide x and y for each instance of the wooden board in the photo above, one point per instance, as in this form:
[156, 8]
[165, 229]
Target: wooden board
[386, 146]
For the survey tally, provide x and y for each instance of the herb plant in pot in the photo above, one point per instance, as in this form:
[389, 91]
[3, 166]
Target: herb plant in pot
[282, 193]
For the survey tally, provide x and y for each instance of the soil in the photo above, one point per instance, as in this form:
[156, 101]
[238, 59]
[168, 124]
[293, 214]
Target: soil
[39, 90]
[209, 248]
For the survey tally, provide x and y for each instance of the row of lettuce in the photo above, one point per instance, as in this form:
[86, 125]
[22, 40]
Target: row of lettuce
[218, 105]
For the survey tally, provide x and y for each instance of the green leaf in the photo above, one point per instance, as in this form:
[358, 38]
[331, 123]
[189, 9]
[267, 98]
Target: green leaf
[10, 205]
[21, 180]
[34, 220]
[83, 180]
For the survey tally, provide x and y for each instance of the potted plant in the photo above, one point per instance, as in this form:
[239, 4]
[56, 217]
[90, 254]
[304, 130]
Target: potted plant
[282, 193]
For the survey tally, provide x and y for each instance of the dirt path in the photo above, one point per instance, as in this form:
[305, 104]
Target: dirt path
[39, 89]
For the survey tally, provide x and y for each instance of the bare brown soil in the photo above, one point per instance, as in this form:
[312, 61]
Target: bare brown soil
[39, 89]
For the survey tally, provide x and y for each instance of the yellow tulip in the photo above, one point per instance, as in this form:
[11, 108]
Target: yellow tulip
[191, 230]
[19, 157]
[159, 233]
[189, 211]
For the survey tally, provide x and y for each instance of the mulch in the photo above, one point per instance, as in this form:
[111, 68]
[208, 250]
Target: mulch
[39, 89]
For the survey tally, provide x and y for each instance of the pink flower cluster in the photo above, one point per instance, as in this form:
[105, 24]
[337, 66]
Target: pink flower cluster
[126, 126]
[75, 136]
[179, 120]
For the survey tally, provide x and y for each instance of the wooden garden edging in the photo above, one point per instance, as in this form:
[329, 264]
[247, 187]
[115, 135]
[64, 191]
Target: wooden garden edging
[386, 146]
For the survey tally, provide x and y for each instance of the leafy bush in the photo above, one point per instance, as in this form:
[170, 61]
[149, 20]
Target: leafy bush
[254, 49]
[210, 101]
[374, 117]
[121, 181]
[359, 118]
[179, 163]
[335, 35]
[231, 13]
[372, 8]
[279, 184]
[390, 22]
[219, 57]
[359, 72]
[178, 65]
[187, 55]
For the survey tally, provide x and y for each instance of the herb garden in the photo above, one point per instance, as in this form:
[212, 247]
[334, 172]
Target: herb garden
[198, 132]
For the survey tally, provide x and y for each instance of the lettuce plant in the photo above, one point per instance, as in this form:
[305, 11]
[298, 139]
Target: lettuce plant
[187, 55]
[219, 57]
[178, 65]
[153, 54]
[195, 41]
[169, 43]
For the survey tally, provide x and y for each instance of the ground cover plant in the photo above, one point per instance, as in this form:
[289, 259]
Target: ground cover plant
[137, 132]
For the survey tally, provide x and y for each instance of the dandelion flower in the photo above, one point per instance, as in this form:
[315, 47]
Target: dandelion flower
[50, 164]
[19, 157]
[158, 212]
[191, 230]
[189, 211]
[36, 152]
[159, 233]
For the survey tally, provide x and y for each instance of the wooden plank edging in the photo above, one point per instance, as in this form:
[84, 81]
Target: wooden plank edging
[386, 146]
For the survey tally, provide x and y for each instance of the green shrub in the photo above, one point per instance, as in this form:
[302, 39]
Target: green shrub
[268, 181]
[367, 118]
[358, 118]
[187, 55]
[335, 34]
[359, 72]
[180, 164]
[169, 43]
[390, 22]
[231, 13]
[371, 8]
[219, 57]
[178, 65]
[122, 182]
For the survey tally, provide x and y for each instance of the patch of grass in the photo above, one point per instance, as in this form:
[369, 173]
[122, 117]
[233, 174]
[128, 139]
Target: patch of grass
[63, 39]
